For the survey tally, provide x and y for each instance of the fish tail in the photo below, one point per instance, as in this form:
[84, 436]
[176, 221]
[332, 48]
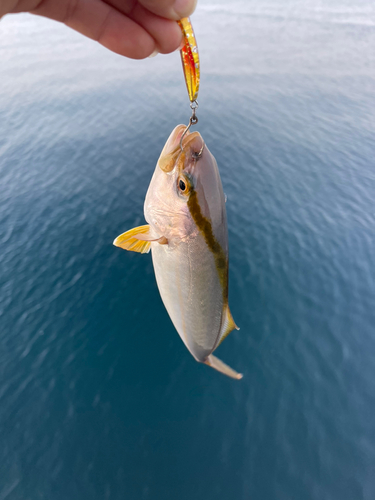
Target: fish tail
[218, 365]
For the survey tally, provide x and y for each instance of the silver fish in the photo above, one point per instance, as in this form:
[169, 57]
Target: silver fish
[188, 237]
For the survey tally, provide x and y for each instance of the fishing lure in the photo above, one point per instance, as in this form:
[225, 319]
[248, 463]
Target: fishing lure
[191, 66]
[190, 59]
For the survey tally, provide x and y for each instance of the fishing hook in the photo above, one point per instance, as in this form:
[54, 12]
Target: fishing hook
[192, 121]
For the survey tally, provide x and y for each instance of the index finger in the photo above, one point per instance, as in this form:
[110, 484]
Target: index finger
[170, 9]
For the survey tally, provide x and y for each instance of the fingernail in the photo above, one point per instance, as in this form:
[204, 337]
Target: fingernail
[184, 8]
[155, 53]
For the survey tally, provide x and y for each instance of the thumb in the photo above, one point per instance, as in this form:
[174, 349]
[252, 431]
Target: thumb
[170, 9]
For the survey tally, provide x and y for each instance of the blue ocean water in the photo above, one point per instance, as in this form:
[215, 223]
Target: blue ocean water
[99, 398]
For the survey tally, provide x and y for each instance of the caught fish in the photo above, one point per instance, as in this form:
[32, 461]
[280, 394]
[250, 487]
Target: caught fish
[188, 237]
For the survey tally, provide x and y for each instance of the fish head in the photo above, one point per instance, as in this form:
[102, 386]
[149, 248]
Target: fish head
[185, 186]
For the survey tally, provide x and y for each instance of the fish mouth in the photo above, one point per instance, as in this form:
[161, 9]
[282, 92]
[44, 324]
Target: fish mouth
[176, 151]
[176, 135]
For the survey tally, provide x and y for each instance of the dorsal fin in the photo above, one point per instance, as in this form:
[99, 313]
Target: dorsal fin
[227, 325]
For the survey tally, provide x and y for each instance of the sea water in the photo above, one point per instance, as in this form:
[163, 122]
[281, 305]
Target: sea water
[99, 398]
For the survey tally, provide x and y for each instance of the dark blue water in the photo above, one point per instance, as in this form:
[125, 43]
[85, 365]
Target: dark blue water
[99, 399]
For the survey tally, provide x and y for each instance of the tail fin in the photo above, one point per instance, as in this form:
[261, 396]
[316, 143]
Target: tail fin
[222, 367]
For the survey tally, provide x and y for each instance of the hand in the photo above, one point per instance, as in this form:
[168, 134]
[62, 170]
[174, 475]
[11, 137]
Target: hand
[132, 28]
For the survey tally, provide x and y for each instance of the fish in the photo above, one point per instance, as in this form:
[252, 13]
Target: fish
[187, 234]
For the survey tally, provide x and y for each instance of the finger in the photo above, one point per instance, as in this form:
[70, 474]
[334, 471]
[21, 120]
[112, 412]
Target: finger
[166, 33]
[103, 23]
[170, 9]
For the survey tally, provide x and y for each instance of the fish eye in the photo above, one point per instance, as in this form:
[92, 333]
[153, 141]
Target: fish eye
[184, 184]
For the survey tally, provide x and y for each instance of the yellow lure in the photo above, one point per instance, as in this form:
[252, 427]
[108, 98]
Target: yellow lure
[190, 59]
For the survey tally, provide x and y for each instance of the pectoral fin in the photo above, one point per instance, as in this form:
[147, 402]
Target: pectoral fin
[218, 365]
[138, 239]
[146, 237]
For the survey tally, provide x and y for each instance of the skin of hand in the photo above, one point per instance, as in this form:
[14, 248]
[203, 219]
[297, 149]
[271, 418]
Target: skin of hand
[132, 28]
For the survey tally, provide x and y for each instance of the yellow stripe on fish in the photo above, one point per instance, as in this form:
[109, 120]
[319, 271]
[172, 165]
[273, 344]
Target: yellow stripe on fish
[204, 225]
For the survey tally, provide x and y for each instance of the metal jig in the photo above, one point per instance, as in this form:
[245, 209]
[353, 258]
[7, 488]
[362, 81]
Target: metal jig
[191, 67]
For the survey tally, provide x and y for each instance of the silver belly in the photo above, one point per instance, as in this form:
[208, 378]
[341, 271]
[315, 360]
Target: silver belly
[189, 286]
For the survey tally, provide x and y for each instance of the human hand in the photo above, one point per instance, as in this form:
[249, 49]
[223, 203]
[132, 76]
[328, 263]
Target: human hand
[132, 28]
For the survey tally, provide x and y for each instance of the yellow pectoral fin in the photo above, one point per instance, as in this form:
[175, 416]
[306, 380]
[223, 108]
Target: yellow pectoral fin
[138, 239]
[148, 237]
[129, 240]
